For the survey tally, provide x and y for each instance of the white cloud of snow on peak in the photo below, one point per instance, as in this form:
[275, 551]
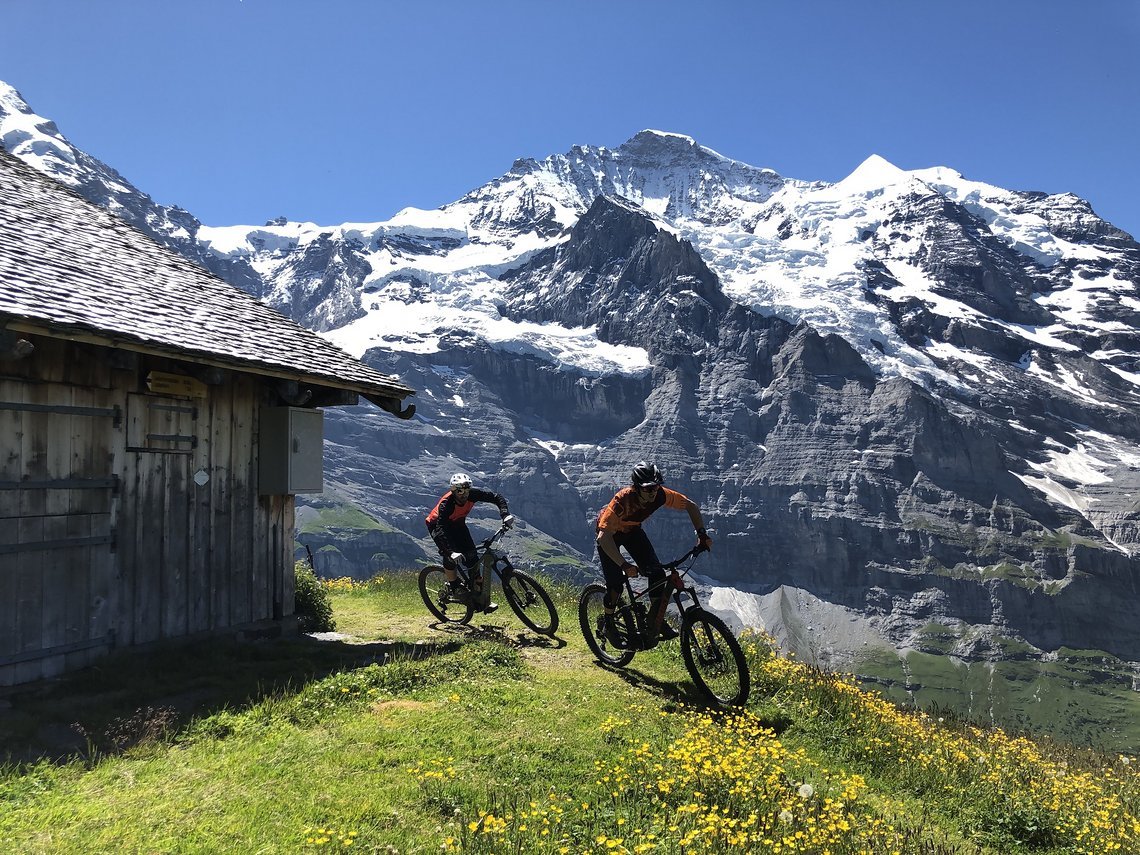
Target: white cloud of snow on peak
[418, 327]
[671, 135]
[441, 222]
[272, 237]
[228, 241]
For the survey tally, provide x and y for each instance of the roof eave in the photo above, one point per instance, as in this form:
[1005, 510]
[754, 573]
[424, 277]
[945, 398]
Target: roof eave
[387, 396]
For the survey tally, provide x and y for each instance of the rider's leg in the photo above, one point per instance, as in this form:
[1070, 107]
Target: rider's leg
[461, 540]
[445, 558]
[615, 582]
[640, 548]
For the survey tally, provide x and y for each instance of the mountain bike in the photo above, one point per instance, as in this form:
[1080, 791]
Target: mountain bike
[711, 652]
[457, 601]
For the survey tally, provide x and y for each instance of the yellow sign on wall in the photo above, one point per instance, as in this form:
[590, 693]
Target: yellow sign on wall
[162, 383]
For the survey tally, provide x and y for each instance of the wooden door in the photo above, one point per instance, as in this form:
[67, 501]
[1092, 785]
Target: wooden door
[157, 530]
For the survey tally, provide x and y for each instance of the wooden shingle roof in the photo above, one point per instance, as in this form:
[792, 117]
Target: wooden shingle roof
[70, 269]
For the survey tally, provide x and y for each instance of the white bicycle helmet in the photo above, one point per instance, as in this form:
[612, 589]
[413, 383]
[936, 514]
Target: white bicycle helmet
[459, 480]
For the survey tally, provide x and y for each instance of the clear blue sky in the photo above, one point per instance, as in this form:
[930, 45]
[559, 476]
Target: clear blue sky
[348, 110]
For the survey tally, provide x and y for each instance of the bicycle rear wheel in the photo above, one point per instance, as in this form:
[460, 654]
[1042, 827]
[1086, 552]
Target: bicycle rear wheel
[530, 602]
[447, 606]
[591, 613]
[714, 658]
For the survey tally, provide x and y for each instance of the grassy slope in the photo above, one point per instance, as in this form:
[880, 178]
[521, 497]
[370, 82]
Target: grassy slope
[309, 746]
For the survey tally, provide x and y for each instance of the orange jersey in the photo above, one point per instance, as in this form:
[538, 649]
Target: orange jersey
[625, 512]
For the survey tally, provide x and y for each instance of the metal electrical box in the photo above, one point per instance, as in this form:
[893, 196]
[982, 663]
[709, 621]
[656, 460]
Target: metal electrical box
[290, 452]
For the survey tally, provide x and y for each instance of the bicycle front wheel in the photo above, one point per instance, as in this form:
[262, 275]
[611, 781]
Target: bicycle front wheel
[714, 658]
[599, 638]
[449, 606]
[530, 602]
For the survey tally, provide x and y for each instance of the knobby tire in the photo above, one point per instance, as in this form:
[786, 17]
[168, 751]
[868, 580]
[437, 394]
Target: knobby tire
[432, 582]
[714, 658]
[530, 602]
[591, 607]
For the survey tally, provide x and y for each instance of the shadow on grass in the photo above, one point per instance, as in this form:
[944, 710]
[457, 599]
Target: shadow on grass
[500, 634]
[686, 693]
[133, 696]
[766, 713]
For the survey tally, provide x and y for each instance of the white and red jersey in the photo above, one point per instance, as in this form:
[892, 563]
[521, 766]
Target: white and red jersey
[449, 514]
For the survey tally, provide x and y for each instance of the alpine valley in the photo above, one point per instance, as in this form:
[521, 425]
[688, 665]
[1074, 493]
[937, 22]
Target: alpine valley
[906, 402]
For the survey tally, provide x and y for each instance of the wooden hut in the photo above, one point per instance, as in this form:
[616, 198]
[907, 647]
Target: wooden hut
[155, 423]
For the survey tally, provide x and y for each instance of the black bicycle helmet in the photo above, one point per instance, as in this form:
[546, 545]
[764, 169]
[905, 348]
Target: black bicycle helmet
[646, 475]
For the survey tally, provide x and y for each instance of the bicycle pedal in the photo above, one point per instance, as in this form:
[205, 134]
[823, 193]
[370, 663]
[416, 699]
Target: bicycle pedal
[457, 594]
[611, 634]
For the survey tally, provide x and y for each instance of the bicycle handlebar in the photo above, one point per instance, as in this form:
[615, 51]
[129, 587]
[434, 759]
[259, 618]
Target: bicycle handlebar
[677, 562]
[503, 529]
[672, 566]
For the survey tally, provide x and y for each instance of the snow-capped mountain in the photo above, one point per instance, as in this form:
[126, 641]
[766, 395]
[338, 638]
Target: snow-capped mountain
[904, 400]
[948, 282]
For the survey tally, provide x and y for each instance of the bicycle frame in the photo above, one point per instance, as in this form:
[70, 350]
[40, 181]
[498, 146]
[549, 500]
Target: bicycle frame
[491, 562]
[712, 654]
[674, 579]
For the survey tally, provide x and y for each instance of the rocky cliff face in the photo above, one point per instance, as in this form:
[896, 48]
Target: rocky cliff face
[863, 490]
[876, 494]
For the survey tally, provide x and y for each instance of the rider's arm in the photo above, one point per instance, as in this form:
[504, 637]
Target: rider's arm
[494, 498]
[702, 536]
[695, 515]
[673, 499]
[607, 545]
[698, 522]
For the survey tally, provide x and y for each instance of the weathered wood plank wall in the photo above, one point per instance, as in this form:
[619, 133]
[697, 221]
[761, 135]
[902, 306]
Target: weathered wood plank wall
[56, 514]
[86, 453]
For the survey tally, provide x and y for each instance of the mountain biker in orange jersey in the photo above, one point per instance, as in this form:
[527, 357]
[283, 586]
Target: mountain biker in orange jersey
[447, 524]
[619, 527]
